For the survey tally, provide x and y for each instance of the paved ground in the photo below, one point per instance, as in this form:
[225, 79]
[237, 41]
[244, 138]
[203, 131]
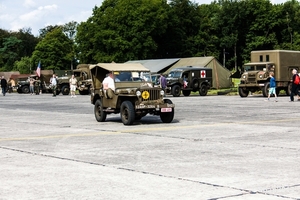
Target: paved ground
[218, 147]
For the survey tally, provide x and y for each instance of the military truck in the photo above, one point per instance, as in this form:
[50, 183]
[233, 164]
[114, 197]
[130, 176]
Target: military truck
[63, 85]
[83, 76]
[23, 83]
[188, 79]
[134, 97]
[256, 73]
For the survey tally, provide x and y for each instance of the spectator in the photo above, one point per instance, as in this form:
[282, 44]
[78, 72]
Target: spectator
[3, 85]
[54, 82]
[73, 85]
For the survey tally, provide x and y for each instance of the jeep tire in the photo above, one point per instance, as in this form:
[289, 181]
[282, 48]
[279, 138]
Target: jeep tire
[167, 117]
[176, 91]
[100, 114]
[25, 89]
[203, 90]
[127, 113]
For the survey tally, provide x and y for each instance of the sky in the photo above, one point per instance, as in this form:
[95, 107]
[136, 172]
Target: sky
[37, 14]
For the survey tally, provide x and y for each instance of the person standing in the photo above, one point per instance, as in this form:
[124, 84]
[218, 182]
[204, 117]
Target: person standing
[3, 85]
[37, 83]
[272, 89]
[73, 85]
[31, 86]
[53, 82]
[295, 85]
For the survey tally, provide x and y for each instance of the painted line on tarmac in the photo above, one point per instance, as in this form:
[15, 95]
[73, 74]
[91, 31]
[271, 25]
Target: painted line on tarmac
[143, 130]
[61, 136]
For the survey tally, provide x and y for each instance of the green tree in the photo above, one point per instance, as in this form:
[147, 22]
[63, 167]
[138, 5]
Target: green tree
[122, 30]
[8, 52]
[54, 51]
[23, 66]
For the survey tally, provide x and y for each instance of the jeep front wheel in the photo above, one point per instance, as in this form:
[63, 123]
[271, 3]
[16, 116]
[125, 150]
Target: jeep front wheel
[167, 117]
[176, 91]
[127, 113]
[100, 115]
[203, 90]
[243, 93]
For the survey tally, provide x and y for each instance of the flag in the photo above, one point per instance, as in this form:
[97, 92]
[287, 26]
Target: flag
[38, 70]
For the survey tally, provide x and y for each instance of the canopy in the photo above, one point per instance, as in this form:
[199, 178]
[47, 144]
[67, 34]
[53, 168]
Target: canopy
[121, 67]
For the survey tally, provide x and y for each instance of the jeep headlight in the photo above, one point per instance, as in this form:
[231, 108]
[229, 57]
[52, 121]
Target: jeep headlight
[244, 76]
[162, 93]
[138, 93]
[260, 76]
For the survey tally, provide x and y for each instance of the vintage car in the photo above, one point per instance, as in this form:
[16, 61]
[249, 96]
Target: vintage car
[134, 96]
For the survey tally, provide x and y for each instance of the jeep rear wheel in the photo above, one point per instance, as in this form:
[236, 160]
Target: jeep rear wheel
[167, 117]
[25, 89]
[186, 92]
[176, 91]
[100, 115]
[243, 93]
[203, 90]
[127, 113]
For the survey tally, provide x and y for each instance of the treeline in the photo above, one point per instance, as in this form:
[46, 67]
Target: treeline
[122, 30]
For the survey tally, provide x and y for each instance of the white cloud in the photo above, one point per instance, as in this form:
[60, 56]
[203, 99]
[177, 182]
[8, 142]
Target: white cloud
[29, 3]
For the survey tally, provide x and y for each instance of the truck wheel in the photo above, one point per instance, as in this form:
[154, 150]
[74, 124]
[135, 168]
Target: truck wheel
[100, 115]
[265, 89]
[25, 89]
[167, 117]
[186, 92]
[176, 91]
[288, 89]
[243, 93]
[195, 84]
[203, 90]
[65, 90]
[127, 113]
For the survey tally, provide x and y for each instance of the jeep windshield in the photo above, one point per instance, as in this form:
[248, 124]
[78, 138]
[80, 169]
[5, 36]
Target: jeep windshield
[248, 68]
[175, 74]
[132, 76]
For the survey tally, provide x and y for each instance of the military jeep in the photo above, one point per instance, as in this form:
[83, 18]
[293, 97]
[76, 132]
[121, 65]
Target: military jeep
[134, 96]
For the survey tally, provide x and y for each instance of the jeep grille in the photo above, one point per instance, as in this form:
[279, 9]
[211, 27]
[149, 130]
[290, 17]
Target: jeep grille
[153, 94]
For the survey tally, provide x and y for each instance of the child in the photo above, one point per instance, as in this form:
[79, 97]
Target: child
[272, 89]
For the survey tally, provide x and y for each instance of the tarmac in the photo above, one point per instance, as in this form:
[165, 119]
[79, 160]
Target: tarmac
[216, 148]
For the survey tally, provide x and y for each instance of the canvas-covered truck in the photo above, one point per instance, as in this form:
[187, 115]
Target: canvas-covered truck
[134, 96]
[256, 73]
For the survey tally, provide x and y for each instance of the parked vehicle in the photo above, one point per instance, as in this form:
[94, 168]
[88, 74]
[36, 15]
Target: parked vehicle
[256, 73]
[188, 79]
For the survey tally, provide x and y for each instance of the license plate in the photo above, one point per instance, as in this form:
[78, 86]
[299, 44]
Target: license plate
[166, 110]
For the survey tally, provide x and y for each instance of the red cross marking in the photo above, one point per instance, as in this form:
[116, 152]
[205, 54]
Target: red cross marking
[203, 74]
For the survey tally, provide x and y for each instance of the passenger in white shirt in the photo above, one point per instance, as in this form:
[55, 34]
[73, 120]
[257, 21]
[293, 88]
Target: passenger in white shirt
[109, 85]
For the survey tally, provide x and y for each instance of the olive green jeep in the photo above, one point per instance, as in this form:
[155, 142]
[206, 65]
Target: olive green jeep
[134, 96]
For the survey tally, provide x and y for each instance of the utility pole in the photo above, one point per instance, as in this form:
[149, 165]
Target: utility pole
[223, 57]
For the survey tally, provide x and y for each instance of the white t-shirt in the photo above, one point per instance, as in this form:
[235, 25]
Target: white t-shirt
[110, 83]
